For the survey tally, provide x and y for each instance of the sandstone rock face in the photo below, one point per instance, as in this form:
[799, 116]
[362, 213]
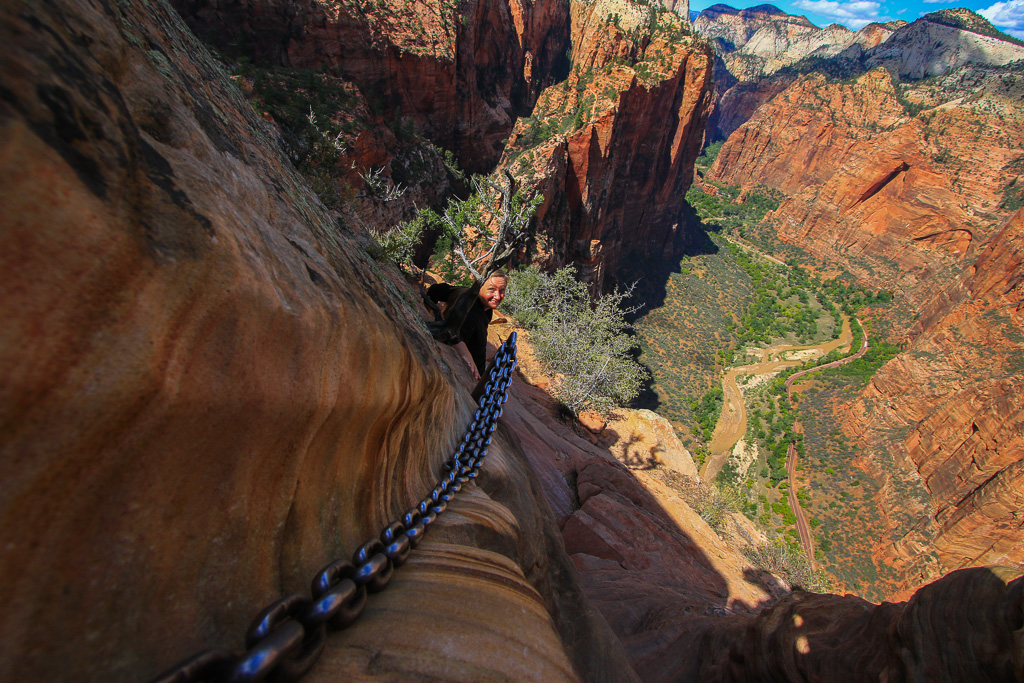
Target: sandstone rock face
[614, 172]
[209, 391]
[461, 74]
[958, 388]
[750, 48]
[900, 201]
[906, 203]
[646, 440]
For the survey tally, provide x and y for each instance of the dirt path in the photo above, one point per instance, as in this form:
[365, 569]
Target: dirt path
[751, 248]
[803, 529]
[732, 423]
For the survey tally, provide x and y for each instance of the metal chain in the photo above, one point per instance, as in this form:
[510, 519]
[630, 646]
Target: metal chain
[288, 635]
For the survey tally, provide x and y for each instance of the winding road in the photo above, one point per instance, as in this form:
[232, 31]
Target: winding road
[803, 529]
[732, 423]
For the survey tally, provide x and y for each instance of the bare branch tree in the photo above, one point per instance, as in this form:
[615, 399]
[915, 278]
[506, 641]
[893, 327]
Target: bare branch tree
[378, 188]
[514, 210]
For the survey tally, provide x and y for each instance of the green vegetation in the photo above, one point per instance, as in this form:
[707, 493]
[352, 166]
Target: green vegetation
[783, 560]
[681, 340]
[707, 410]
[469, 230]
[1013, 193]
[585, 345]
[729, 209]
[306, 104]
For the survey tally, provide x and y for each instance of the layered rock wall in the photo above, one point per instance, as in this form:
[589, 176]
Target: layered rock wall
[461, 73]
[209, 391]
[614, 177]
[958, 388]
[901, 201]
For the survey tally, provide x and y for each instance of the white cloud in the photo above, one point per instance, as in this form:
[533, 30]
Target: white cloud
[939, 2]
[855, 15]
[1007, 16]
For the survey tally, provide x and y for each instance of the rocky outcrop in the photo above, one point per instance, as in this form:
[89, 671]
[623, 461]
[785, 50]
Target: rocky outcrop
[612, 148]
[461, 76]
[956, 390]
[209, 391]
[898, 200]
[980, 611]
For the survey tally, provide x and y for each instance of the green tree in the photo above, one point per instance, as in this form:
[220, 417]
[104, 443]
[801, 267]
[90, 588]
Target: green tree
[586, 345]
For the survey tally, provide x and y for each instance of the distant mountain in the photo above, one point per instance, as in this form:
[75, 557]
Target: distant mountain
[941, 41]
[759, 41]
[730, 28]
[967, 20]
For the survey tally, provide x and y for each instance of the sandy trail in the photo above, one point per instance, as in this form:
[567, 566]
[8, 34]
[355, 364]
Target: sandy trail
[732, 423]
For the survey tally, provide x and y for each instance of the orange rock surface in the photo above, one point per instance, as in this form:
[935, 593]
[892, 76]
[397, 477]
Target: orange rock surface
[900, 201]
[461, 77]
[209, 390]
[956, 390]
[615, 177]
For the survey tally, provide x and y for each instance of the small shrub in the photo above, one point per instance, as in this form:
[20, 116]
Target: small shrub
[585, 345]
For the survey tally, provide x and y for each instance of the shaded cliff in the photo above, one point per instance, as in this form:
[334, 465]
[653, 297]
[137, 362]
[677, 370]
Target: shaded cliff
[460, 74]
[612, 147]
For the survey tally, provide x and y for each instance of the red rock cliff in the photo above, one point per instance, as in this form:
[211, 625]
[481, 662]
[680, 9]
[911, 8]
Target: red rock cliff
[461, 72]
[209, 391]
[612, 148]
[901, 201]
[957, 391]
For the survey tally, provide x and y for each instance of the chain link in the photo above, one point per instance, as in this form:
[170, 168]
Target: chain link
[287, 636]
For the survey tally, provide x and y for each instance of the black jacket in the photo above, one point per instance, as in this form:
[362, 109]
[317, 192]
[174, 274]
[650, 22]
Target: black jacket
[473, 330]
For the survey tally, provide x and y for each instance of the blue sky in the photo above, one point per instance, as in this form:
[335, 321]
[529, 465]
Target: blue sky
[1007, 16]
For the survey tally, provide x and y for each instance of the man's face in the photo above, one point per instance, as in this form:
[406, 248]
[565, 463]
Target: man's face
[492, 292]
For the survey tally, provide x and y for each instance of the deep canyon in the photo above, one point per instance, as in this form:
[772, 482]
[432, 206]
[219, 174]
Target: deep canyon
[212, 383]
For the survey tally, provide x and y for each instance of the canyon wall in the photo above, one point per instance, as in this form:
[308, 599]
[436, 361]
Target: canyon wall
[956, 389]
[461, 75]
[612, 147]
[209, 390]
[900, 201]
[908, 186]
